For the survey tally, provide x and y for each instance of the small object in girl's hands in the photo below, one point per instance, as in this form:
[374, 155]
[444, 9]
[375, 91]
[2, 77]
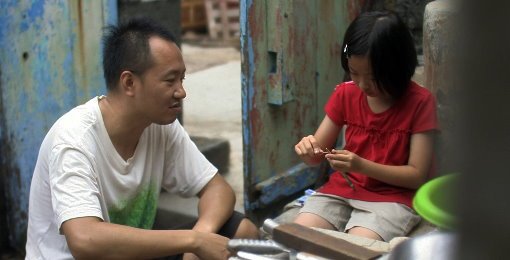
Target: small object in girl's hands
[326, 151]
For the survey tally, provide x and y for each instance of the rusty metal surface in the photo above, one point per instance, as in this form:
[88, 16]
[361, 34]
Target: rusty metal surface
[50, 62]
[278, 15]
[337, 16]
[286, 184]
[290, 65]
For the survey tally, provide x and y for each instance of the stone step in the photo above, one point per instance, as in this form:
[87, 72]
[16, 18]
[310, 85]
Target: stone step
[216, 150]
[175, 212]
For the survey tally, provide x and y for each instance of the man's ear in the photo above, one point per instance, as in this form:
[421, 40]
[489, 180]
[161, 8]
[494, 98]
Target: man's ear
[127, 82]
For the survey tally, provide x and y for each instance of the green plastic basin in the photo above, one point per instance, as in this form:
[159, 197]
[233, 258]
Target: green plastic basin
[434, 201]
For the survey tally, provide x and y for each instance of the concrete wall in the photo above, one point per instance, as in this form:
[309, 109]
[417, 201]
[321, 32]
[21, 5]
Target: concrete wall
[484, 92]
[439, 49]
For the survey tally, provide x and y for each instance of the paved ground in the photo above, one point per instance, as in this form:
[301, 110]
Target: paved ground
[200, 56]
[212, 107]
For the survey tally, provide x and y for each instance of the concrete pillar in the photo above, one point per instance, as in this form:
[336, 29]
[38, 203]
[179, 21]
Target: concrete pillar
[438, 51]
[437, 29]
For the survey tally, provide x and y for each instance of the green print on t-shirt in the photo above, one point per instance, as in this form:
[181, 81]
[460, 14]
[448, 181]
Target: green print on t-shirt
[138, 212]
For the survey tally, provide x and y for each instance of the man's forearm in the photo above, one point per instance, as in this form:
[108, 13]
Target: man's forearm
[216, 206]
[110, 241]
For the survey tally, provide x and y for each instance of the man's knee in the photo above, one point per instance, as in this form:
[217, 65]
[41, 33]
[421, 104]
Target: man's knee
[238, 226]
[247, 229]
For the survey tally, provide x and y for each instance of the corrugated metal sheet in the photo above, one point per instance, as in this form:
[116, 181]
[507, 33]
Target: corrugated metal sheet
[49, 62]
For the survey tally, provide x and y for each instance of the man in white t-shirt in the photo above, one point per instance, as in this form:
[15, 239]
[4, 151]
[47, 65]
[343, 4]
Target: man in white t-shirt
[102, 165]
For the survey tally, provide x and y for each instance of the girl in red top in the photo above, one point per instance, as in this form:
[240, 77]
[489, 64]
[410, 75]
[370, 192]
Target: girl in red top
[389, 136]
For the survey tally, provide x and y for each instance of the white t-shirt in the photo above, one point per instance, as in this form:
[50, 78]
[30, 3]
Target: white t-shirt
[79, 173]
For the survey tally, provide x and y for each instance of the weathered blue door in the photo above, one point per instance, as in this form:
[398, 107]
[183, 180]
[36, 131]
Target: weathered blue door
[290, 64]
[49, 62]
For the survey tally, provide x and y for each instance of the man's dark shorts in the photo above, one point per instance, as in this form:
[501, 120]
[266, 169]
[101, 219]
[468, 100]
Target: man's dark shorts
[230, 227]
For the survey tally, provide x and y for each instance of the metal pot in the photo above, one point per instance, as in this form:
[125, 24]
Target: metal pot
[432, 246]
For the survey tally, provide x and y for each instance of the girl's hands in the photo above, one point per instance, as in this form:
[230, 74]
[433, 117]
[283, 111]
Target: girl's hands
[309, 150]
[344, 161]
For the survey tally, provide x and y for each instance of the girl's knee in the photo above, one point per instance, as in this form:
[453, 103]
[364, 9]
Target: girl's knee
[364, 232]
[312, 220]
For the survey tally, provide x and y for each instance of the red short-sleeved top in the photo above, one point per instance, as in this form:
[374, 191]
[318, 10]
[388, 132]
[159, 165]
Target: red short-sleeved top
[379, 137]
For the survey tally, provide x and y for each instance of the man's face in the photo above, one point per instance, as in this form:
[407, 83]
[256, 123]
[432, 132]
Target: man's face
[160, 94]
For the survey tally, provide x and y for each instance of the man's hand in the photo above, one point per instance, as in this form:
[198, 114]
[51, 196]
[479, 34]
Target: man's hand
[210, 246]
[190, 256]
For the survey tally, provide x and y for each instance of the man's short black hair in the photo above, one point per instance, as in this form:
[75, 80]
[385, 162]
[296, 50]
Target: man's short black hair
[389, 46]
[126, 47]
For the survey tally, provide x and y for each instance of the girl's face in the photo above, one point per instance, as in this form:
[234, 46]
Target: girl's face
[361, 73]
